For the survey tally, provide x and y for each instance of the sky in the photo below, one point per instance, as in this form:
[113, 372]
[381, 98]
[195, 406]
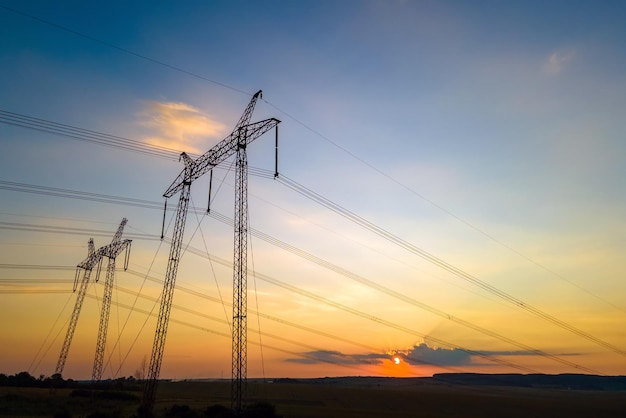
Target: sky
[450, 194]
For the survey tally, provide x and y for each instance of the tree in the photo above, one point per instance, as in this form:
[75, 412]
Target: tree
[24, 379]
[142, 371]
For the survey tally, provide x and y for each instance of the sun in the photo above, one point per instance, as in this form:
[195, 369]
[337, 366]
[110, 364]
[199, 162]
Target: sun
[395, 365]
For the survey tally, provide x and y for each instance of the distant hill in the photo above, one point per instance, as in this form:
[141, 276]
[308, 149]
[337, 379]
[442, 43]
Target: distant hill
[558, 381]
[538, 381]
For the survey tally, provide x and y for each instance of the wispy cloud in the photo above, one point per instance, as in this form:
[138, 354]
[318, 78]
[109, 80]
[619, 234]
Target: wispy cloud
[336, 357]
[557, 60]
[178, 126]
[417, 355]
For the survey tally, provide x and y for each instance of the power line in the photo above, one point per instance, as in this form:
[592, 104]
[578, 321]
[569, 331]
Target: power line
[404, 298]
[225, 335]
[109, 140]
[362, 314]
[127, 51]
[33, 291]
[80, 195]
[261, 314]
[329, 302]
[15, 226]
[35, 267]
[444, 265]
[162, 152]
[440, 263]
[356, 312]
[443, 209]
[167, 153]
[91, 232]
[43, 343]
[195, 312]
[86, 135]
[198, 313]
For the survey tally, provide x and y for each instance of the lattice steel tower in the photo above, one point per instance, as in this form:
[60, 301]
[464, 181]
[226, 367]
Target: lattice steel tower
[240, 282]
[242, 135]
[110, 251]
[93, 258]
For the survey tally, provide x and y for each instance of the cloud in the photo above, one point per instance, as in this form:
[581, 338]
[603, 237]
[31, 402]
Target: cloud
[416, 355]
[178, 126]
[422, 353]
[557, 60]
[336, 357]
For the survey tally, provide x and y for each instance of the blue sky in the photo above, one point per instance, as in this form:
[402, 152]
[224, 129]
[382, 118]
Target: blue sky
[489, 134]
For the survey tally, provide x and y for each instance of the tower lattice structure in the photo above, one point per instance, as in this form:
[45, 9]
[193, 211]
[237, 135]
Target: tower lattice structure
[235, 143]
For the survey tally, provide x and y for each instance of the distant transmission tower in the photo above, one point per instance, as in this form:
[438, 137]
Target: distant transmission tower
[110, 251]
[242, 135]
[93, 258]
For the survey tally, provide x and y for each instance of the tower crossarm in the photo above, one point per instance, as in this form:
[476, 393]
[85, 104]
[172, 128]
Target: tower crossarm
[247, 113]
[220, 152]
[113, 249]
[93, 258]
[116, 246]
[120, 230]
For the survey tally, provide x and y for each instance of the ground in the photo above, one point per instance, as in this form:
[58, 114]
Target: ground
[333, 398]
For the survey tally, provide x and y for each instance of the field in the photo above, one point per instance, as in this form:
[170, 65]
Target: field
[333, 398]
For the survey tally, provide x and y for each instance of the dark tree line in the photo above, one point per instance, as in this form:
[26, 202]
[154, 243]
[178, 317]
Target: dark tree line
[25, 379]
[113, 389]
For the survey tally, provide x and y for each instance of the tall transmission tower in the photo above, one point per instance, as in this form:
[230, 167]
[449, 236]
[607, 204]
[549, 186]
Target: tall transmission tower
[93, 258]
[110, 251]
[242, 135]
[238, 391]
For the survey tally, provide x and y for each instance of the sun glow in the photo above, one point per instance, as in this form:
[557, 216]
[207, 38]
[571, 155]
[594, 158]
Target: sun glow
[396, 360]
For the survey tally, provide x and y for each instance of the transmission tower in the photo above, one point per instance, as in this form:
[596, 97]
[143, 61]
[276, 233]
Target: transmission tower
[239, 382]
[243, 134]
[93, 258]
[110, 251]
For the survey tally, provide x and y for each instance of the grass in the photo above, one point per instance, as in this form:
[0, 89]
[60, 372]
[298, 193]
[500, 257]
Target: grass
[395, 398]
[41, 402]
